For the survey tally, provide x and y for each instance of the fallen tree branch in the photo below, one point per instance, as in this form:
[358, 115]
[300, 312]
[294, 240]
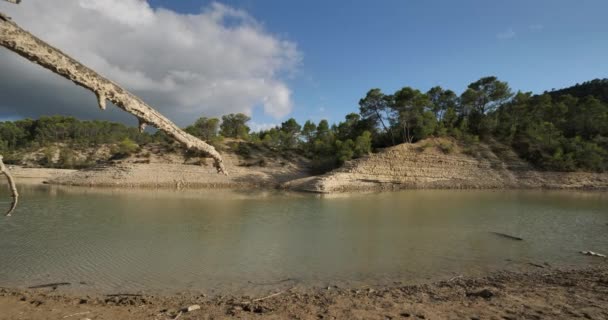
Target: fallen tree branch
[504, 235]
[15, 39]
[272, 295]
[12, 187]
[124, 295]
[50, 285]
[77, 314]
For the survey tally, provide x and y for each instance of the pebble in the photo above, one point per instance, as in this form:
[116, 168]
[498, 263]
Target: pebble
[193, 308]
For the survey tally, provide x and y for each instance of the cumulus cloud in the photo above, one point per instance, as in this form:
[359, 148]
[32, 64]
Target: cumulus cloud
[213, 62]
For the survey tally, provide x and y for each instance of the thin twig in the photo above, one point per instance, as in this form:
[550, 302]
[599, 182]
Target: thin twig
[77, 314]
[454, 278]
[123, 295]
[272, 295]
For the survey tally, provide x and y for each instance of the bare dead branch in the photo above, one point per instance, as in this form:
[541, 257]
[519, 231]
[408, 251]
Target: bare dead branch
[15, 39]
[12, 187]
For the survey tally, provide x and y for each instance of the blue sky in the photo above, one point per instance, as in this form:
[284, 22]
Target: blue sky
[349, 47]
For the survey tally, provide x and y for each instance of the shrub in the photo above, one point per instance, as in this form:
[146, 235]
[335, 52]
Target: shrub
[124, 149]
[446, 147]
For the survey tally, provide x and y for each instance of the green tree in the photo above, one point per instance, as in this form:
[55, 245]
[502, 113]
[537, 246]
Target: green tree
[415, 120]
[485, 95]
[441, 101]
[205, 128]
[235, 126]
[376, 107]
[345, 150]
[363, 144]
[290, 131]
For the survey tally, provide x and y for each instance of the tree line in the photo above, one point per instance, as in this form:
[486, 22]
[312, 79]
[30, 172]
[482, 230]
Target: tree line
[562, 130]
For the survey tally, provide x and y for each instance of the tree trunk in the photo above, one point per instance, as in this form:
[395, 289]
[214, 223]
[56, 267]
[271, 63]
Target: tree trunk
[35, 50]
[11, 185]
[15, 39]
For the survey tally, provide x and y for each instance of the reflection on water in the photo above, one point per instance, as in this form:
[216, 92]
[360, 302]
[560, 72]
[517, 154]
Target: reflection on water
[205, 240]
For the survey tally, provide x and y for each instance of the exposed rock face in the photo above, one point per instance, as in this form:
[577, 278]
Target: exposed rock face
[424, 165]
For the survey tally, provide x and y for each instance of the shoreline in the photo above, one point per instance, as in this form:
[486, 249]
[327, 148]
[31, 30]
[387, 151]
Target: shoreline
[550, 293]
[188, 179]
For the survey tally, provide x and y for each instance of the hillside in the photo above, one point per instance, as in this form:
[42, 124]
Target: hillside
[597, 88]
[445, 164]
[161, 165]
[155, 166]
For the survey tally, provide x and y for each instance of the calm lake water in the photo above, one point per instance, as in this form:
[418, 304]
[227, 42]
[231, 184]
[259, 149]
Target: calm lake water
[223, 241]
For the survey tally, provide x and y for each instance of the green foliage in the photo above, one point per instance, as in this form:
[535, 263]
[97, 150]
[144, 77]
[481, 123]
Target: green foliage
[446, 147]
[563, 130]
[205, 128]
[376, 109]
[363, 144]
[125, 148]
[290, 130]
[345, 150]
[49, 130]
[597, 88]
[234, 125]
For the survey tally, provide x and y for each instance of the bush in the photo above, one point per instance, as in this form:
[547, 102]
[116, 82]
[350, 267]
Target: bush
[67, 159]
[124, 149]
[446, 147]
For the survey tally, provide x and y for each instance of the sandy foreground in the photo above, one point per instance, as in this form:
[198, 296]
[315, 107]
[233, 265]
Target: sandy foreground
[542, 294]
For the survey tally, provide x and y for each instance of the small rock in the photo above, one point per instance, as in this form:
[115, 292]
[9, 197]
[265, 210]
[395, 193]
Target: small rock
[485, 293]
[36, 303]
[192, 308]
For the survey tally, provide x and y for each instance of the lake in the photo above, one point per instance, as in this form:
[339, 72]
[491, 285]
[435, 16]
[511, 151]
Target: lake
[215, 241]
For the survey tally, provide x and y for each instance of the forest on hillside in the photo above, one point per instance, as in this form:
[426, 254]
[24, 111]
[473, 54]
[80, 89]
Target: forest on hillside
[560, 130]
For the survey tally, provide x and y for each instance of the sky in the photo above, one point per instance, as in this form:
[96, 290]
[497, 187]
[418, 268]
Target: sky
[313, 59]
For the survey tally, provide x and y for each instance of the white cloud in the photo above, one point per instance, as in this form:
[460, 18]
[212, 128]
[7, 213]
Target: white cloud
[214, 62]
[508, 34]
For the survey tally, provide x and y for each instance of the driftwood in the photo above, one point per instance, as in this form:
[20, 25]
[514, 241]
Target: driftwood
[504, 235]
[77, 314]
[593, 254]
[15, 39]
[50, 285]
[12, 187]
[124, 295]
[273, 283]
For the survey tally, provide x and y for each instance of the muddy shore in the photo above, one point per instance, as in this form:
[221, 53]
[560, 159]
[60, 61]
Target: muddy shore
[542, 294]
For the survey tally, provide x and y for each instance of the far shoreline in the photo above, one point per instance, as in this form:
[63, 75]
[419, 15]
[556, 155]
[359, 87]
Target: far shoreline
[46, 176]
